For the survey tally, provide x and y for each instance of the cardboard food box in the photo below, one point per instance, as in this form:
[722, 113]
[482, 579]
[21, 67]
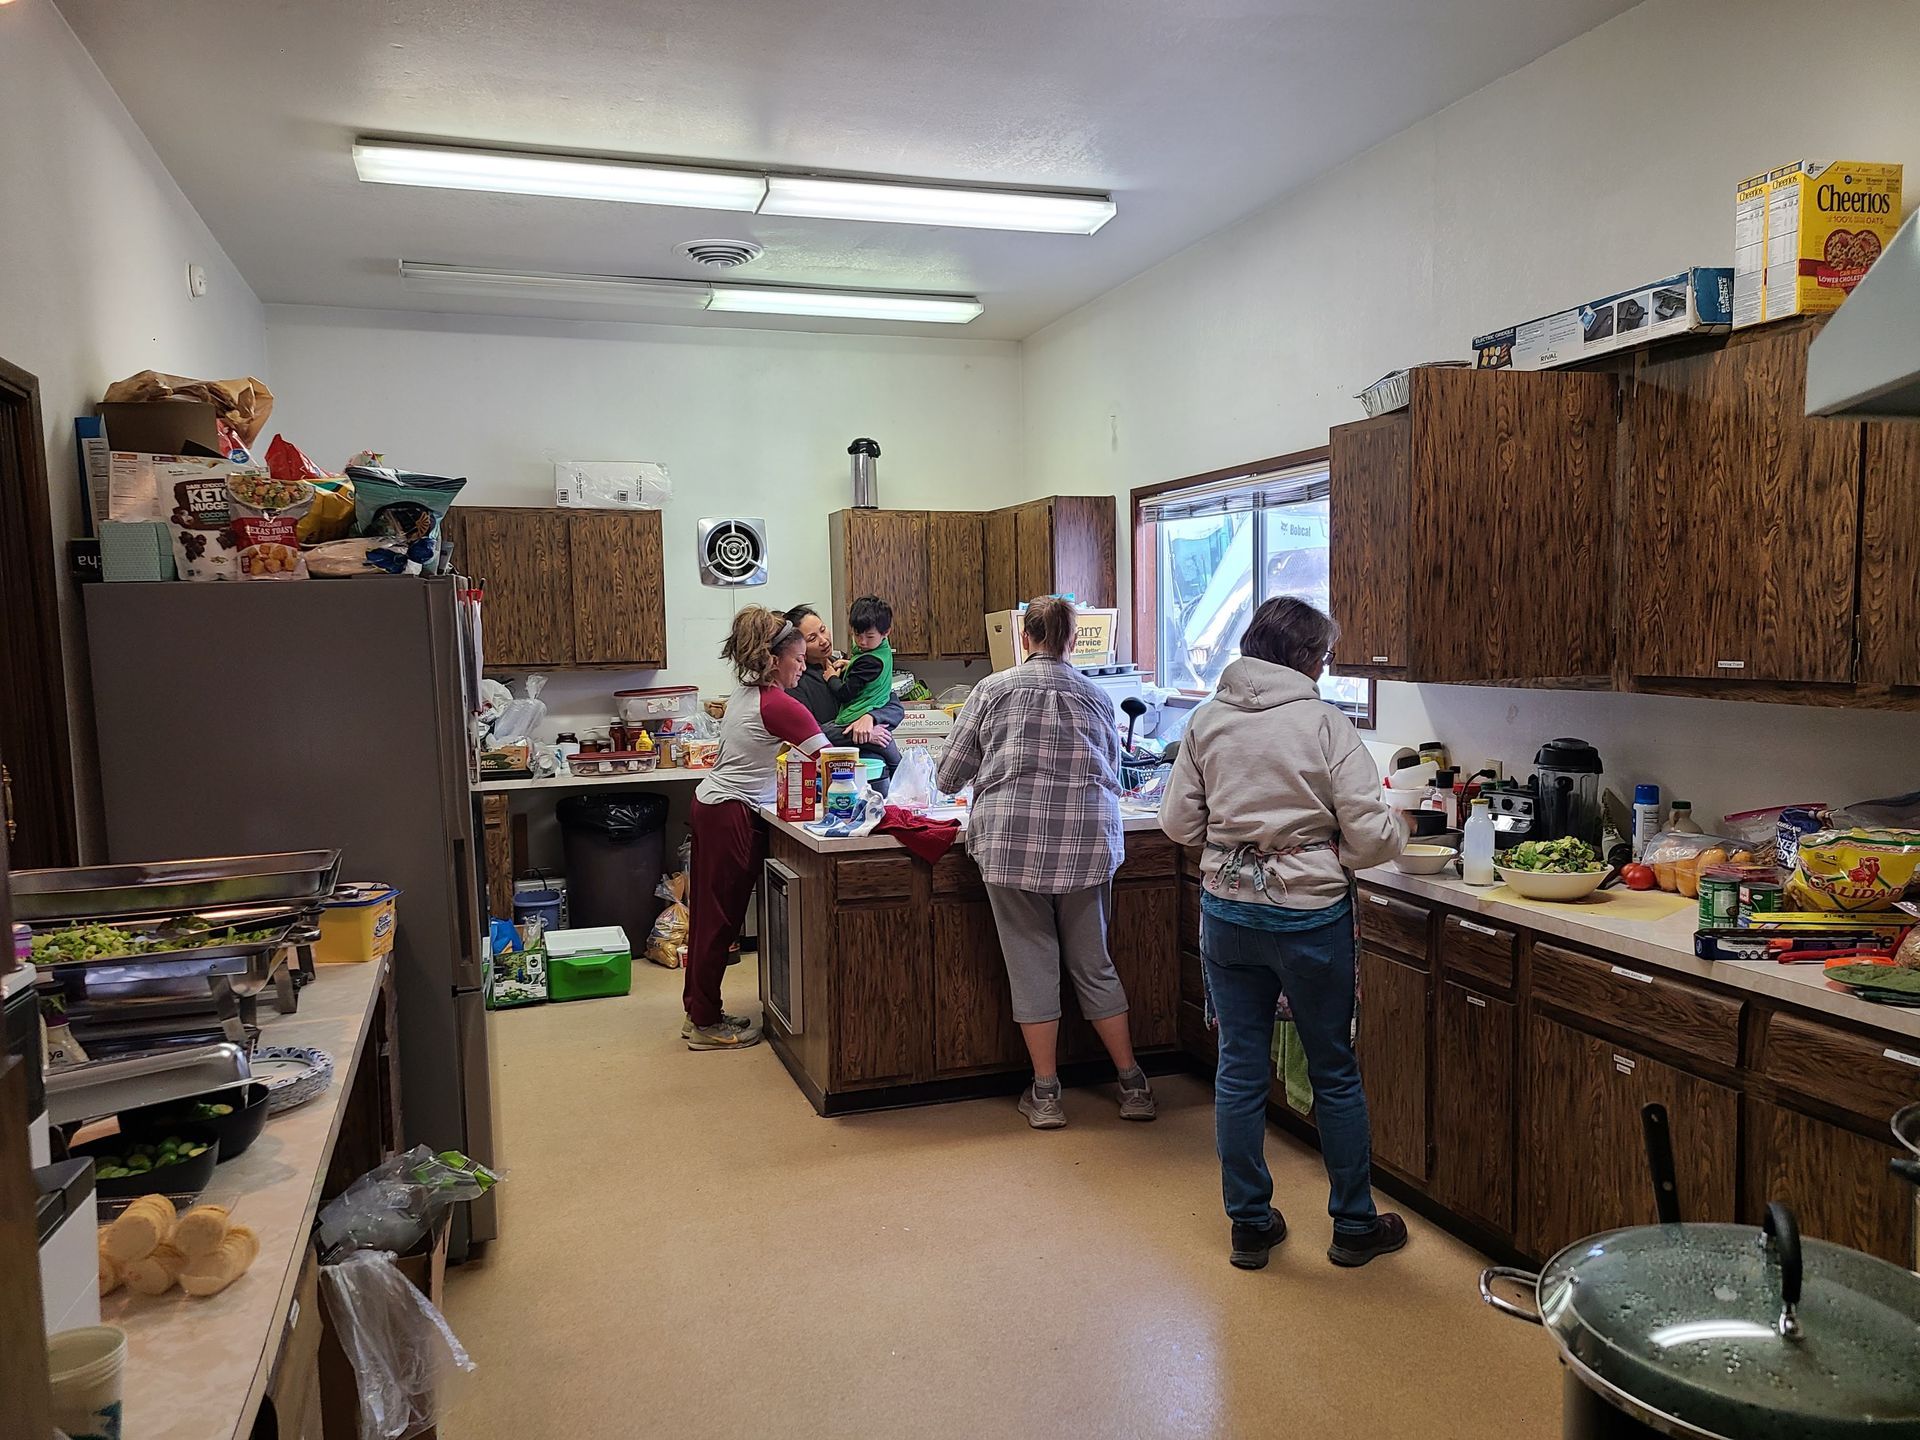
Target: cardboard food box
[161, 427]
[136, 550]
[1804, 234]
[1698, 301]
[1093, 642]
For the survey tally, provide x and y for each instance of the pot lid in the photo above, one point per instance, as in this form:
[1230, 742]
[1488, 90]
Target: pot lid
[1688, 1321]
[1576, 756]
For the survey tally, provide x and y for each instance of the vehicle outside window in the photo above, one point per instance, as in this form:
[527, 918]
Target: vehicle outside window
[1221, 552]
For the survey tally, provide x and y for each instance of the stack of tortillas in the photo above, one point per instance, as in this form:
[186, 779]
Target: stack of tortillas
[151, 1247]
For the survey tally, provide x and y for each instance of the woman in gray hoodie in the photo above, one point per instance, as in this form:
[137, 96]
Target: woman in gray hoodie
[1277, 787]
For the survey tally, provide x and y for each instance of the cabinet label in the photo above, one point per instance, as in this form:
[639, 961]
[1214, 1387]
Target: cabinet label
[1903, 1057]
[1378, 900]
[1380, 660]
[1623, 1063]
[1478, 929]
[1730, 664]
[1626, 974]
[1476, 1002]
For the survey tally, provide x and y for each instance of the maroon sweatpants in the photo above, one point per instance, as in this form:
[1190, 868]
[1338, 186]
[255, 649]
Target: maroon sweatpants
[728, 846]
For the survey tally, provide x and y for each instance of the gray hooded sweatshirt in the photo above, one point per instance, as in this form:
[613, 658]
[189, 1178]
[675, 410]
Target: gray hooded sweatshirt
[1277, 786]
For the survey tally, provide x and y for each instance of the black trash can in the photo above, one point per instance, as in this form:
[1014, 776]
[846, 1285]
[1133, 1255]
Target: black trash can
[614, 847]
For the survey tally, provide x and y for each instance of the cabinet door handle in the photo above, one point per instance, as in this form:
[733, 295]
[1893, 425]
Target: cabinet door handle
[1477, 928]
[1476, 1002]
[1626, 974]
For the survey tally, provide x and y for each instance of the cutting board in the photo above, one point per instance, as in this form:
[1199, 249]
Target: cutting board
[1636, 906]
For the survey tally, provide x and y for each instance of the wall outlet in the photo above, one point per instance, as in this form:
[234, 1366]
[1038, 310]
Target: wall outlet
[197, 281]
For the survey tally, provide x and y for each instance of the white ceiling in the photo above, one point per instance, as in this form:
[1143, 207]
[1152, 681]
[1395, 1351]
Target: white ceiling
[1192, 112]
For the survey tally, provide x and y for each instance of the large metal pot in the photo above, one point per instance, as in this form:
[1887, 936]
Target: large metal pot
[1724, 1332]
[1906, 1129]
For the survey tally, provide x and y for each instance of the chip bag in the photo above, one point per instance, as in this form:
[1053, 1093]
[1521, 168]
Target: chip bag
[1853, 870]
[403, 509]
[331, 517]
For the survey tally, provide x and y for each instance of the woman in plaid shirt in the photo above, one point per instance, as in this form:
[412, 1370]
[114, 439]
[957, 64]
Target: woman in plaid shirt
[1040, 746]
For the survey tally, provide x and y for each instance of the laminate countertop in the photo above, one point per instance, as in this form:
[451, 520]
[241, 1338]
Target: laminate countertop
[197, 1368]
[1131, 821]
[1665, 945]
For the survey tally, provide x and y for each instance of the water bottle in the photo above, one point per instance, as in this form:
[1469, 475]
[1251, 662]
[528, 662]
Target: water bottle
[1646, 817]
[1476, 851]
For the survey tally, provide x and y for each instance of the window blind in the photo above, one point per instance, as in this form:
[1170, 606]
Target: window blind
[1259, 491]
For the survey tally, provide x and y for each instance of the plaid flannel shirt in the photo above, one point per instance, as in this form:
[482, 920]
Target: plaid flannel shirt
[1040, 746]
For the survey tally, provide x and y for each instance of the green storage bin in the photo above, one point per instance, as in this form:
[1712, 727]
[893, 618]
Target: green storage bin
[588, 964]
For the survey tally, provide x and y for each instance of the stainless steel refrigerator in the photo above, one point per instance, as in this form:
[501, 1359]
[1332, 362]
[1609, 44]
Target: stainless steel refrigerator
[249, 716]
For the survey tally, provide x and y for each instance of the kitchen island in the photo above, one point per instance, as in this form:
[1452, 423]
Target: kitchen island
[884, 985]
[1507, 1049]
[249, 1361]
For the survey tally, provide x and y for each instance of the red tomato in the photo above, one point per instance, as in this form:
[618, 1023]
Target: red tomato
[1638, 877]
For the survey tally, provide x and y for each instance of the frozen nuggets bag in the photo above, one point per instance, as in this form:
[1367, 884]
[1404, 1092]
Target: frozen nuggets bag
[269, 548]
[200, 520]
[1853, 870]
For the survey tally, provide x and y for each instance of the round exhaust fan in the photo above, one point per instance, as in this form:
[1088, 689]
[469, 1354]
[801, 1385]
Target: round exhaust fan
[721, 254]
[733, 552]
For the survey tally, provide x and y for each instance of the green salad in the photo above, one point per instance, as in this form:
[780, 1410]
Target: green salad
[1565, 856]
[108, 942]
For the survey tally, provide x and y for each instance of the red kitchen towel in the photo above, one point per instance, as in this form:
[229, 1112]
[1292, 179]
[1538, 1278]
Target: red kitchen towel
[929, 839]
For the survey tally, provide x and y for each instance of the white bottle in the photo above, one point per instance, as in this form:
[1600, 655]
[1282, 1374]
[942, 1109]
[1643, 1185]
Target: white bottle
[1476, 850]
[1646, 817]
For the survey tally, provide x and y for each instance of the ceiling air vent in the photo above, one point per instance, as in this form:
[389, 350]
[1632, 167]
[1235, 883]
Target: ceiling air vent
[733, 552]
[721, 254]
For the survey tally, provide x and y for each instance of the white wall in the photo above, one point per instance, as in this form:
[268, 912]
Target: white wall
[96, 239]
[1608, 162]
[750, 423]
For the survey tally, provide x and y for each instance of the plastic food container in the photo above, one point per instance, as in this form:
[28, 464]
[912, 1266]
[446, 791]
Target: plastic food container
[357, 925]
[666, 702]
[588, 964]
[614, 762]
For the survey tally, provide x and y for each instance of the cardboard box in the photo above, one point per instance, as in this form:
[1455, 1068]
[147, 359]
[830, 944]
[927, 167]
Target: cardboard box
[1694, 302]
[1804, 234]
[136, 550]
[161, 427]
[95, 461]
[1093, 644]
[141, 486]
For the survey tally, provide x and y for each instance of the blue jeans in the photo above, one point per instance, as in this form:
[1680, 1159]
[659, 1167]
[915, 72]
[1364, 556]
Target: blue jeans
[1247, 970]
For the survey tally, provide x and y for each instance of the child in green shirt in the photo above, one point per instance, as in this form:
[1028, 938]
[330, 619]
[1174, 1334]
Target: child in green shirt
[865, 683]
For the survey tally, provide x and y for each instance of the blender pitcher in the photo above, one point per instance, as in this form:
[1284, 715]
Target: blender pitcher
[1567, 774]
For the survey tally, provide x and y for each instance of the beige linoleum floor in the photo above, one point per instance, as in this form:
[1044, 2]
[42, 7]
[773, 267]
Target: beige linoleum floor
[689, 1251]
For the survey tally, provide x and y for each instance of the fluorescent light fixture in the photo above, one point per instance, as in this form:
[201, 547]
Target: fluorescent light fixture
[847, 304]
[454, 167]
[553, 285]
[823, 198]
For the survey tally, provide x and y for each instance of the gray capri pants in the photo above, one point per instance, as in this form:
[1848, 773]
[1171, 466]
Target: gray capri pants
[1038, 931]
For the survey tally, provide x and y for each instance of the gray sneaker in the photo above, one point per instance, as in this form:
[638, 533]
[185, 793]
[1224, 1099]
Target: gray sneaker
[717, 1037]
[1043, 1112]
[1136, 1102]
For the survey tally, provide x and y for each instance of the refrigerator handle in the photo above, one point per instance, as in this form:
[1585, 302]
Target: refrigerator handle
[464, 877]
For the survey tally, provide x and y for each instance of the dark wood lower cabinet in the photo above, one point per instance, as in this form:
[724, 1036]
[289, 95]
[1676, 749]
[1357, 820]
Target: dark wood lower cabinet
[973, 1009]
[1836, 1182]
[1474, 1099]
[1143, 917]
[882, 1008]
[1393, 1045]
[1585, 1145]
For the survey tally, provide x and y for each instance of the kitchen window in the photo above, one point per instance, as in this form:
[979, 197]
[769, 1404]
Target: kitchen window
[1209, 550]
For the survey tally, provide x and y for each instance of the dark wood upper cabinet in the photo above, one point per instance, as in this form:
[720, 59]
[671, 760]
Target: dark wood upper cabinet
[1002, 590]
[1369, 563]
[1890, 557]
[565, 587]
[884, 553]
[619, 606]
[1743, 516]
[957, 576]
[943, 570]
[522, 556]
[1486, 509]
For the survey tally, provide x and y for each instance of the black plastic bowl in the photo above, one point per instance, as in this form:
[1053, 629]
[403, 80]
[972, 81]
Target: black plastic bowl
[235, 1132]
[188, 1177]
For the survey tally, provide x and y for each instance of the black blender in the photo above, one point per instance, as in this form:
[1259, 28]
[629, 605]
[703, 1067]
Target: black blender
[1566, 780]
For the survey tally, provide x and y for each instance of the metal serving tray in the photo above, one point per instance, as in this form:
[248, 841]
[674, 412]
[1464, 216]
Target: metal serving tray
[173, 886]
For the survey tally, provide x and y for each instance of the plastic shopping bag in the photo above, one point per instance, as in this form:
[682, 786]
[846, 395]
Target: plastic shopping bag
[913, 782]
[402, 1351]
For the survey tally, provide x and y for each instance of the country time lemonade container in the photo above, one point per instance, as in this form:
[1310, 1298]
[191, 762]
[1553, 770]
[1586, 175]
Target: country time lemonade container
[357, 924]
[1805, 233]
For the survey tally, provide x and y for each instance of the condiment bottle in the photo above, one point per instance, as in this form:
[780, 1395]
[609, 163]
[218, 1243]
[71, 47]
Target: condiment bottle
[1682, 818]
[568, 743]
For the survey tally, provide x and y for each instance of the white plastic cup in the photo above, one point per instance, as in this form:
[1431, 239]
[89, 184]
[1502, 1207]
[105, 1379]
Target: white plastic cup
[87, 1367]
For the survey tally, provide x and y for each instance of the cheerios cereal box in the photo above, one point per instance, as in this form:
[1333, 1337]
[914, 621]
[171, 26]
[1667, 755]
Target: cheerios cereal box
[1804, 234]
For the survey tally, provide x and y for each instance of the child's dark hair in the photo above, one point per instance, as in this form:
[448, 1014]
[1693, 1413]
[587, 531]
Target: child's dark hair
[870, 612]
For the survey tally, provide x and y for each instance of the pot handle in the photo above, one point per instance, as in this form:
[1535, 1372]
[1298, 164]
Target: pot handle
[1783, 1238]
[1526, 1278]
[1907, 1170]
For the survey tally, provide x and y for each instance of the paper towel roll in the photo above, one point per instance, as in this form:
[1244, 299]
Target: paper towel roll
[1389, 757]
